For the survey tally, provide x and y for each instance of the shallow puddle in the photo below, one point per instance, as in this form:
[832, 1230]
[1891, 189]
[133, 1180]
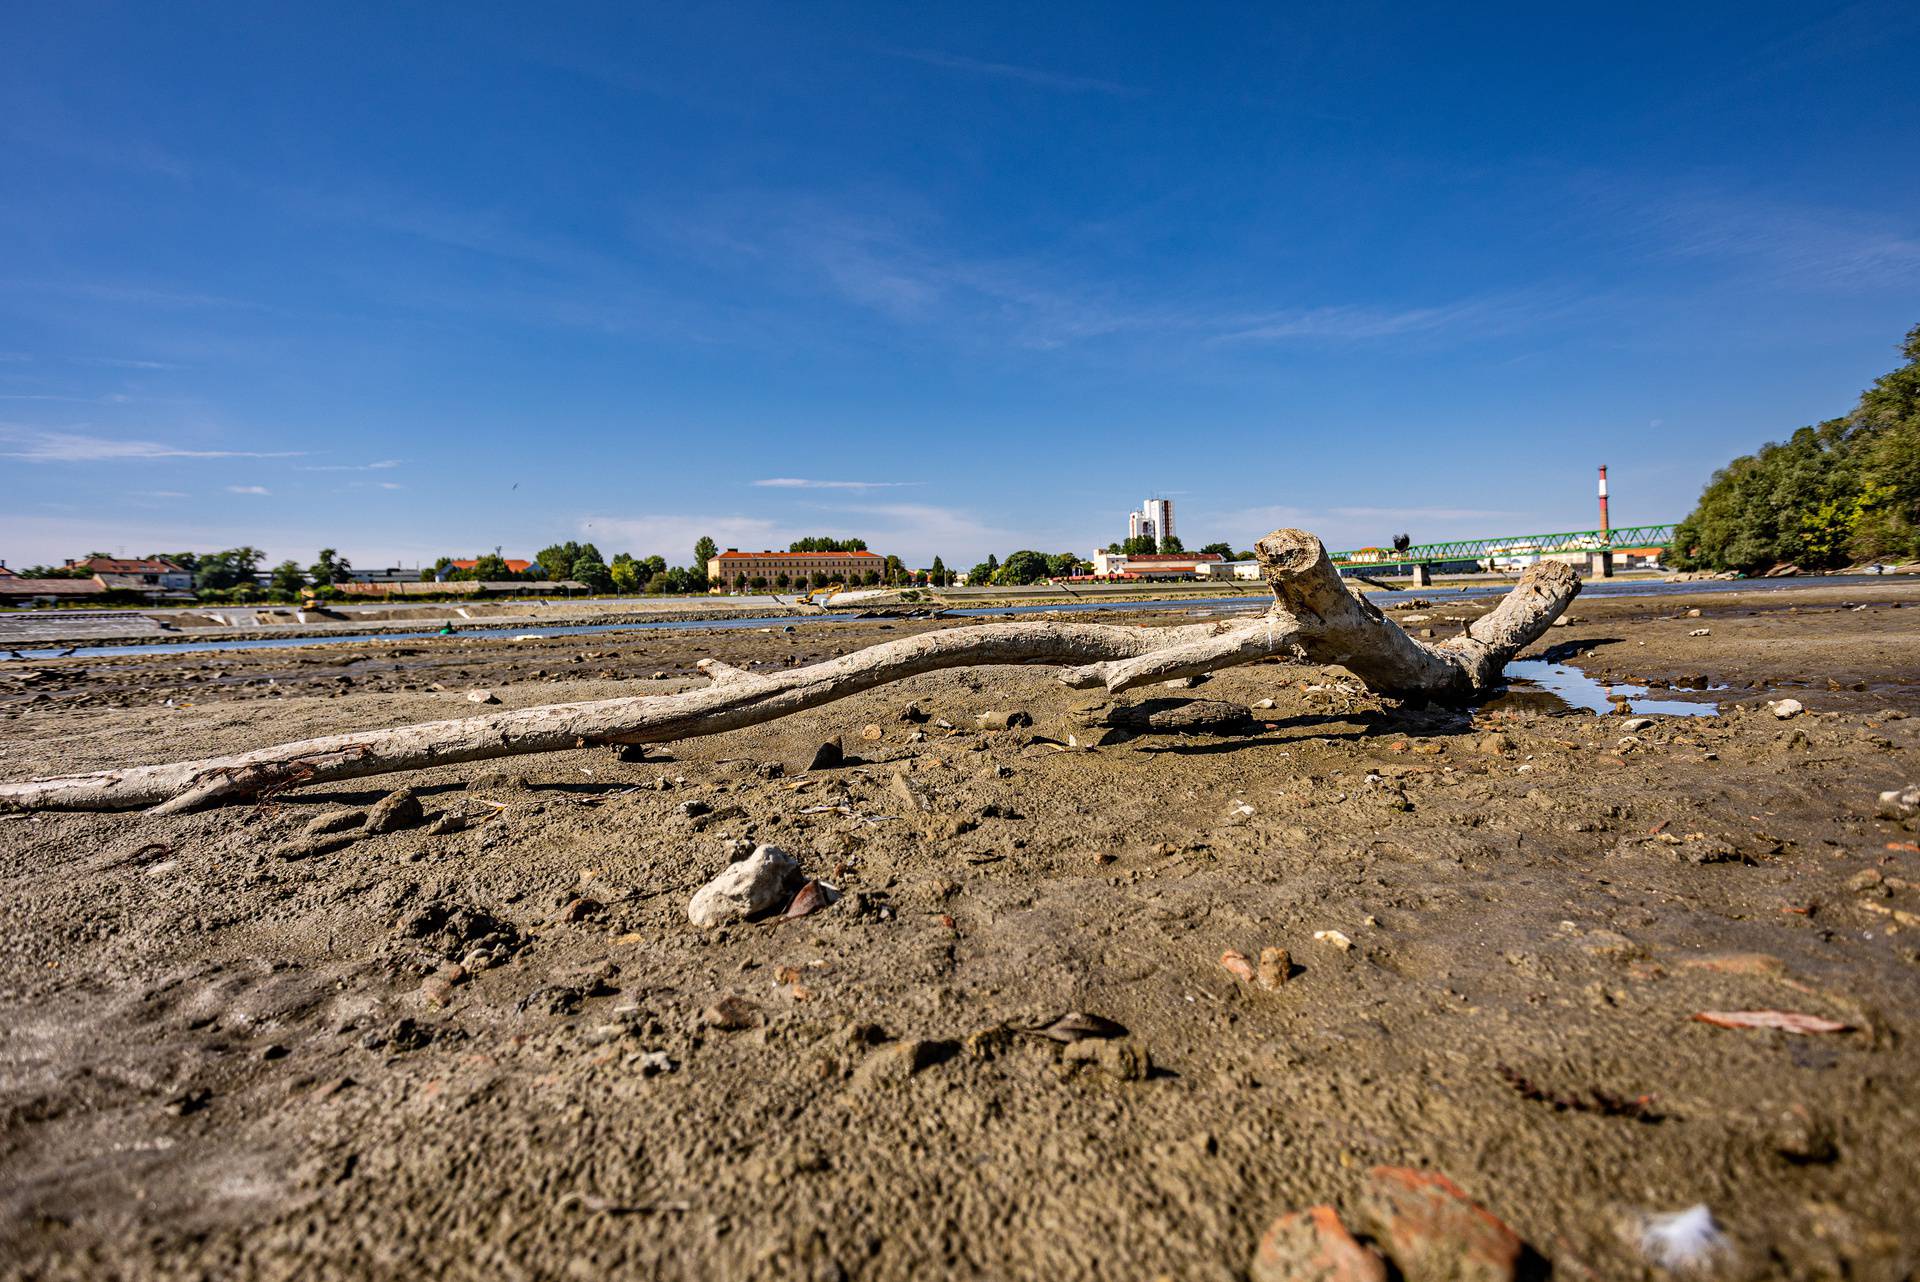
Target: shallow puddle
[1572, 688]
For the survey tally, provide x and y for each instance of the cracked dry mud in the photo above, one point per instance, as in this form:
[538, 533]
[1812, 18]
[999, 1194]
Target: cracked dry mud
[503, 1051]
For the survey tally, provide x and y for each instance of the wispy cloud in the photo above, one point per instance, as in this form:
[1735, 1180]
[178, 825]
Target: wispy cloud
[248, 489]
[42, 445]
[381, 466]
[1355, 323]
[882, 253]
[132, 294]
[123, 363]
[672, 535]
[1347, 527]
[1036, 76]
[1764, 239]
[802, 483]
[112, 398]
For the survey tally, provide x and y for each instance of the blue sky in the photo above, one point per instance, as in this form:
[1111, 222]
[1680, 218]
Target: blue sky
[413, 280]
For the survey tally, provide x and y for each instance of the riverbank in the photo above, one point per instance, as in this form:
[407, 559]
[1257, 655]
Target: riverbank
[503, 1045]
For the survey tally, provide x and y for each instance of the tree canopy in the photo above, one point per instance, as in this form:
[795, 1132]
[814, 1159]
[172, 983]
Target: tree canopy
[491, 568]
[557, 561]
[819, 544]
[329, 568]
[589, 569]
[1835, 493]
[232, 568]
[1024, 566]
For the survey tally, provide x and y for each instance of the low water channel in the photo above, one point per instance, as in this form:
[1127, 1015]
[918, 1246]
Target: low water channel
[1615, 588]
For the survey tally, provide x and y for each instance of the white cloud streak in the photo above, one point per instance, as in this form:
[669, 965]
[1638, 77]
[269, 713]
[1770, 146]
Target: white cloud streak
[42, 445]
[802, 483]
[1035, 76]
[248, 489]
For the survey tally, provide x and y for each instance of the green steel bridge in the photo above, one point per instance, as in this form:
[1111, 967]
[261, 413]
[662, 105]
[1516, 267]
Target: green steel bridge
[1513, 545]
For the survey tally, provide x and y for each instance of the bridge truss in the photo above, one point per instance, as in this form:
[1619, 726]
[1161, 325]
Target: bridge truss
[1508, 545]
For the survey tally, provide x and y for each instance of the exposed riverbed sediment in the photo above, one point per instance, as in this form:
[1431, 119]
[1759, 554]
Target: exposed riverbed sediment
[488, 1038]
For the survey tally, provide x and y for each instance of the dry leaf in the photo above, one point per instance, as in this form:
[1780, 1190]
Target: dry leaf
[1786, 1021]
[1078, 1026]
[810, 898]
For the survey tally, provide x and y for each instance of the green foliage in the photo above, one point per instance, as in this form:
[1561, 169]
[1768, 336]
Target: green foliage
[817, 544]
[1140, 545]
[235, 594]
[628, 574]
[556, 562]
[1172, 543]
[329, 568]
[51, 572]
[677, 579]
[1223, 550]
[939, 573]
[593, 572]
[1844, 491]
[288, 578]
[982, 574]
[704, 550]
[185, 560]
[1063, 565]
[1024, 566]
[220, 571]
[491, 568]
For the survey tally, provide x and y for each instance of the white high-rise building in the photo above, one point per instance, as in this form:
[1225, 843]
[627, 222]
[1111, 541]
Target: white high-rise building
[1156, 518]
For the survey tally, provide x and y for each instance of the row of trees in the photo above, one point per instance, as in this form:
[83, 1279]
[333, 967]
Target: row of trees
[1837, 493]
[1143, 545]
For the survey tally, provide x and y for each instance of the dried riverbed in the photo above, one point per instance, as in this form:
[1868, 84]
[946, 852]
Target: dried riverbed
[503, 1050]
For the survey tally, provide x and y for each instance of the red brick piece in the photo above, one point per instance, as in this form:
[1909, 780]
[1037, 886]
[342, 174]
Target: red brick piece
[1433, 1232]
[1313, 1246]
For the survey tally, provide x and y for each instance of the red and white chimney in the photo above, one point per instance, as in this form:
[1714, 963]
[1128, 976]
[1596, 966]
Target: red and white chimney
[1603, 501]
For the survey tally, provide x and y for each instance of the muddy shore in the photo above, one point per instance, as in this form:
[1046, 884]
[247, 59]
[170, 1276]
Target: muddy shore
[504, 1051]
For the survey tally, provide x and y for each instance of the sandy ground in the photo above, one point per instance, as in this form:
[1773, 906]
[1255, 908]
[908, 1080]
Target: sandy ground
[218, 1061]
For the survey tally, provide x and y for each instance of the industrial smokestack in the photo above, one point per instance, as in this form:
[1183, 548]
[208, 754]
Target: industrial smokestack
[1603, 501]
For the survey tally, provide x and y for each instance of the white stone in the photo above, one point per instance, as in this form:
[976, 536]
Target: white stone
[760, 883]
[1784, 708]
[1895, 803]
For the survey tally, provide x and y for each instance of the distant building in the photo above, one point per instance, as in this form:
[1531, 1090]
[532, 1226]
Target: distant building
[1154, 520]
[1154, 565]
[129, 574]
[15, 590]
[735, 571]
[392, 574]
[1228, 569]
[517, 567]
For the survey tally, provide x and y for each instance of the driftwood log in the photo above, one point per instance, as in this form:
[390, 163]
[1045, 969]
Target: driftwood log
[1314, 618]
